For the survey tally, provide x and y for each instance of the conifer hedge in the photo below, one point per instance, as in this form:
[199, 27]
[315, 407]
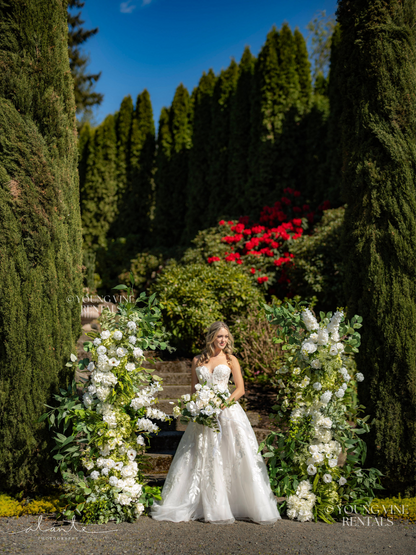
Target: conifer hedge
[40, 242]
[377, 74]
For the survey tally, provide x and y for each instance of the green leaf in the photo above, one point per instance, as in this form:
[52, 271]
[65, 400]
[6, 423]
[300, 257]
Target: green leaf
[122, 286]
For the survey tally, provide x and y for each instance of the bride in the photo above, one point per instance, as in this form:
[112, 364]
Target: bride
[218, 477]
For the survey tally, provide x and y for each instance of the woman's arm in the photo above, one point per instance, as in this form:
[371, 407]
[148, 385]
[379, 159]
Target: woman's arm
[194, 377]
[238, 379]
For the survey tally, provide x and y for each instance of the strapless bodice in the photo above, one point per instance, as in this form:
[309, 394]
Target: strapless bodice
[219, 376]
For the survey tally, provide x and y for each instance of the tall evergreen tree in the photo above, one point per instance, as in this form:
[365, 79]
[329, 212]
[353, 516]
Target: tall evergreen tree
[140, 195]
[171, 184]
[239, 143]
[84, 143]
[40, 242]
[197, 195]
[162, 178]
[264, 126]
[99, 193]
[123, 124]
[377, 77]
[219, 190]
[303, 67]
[85, 96]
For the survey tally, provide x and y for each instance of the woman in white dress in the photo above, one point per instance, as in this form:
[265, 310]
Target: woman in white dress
[218, 477]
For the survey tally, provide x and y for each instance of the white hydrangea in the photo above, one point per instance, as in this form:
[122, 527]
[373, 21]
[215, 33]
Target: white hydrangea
[139, 508]
[132, 339]
[103, 392]
[87, 399]
[156, 414]
[110, 418]
[117, 335]
[309, 319]
[137, 352]
[105, 334]
[359, 377]
[344, 386]
[123, 499]
[316, 364]
[335, 321]
[323, 337]
[146, 425]
[308, 348]
[94, 475]
[326, 397]
[323, 435]
[131, 325]
[340, 393]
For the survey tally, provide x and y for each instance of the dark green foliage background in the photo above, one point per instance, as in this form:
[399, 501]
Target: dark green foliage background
[40, 243]
[376, 69]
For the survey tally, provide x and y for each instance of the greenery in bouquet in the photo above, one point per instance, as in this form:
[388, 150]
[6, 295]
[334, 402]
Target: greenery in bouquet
[316, 463]
[101, 440]
[204, 406]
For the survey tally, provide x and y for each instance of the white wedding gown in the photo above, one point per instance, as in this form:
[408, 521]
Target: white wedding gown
[218, 477]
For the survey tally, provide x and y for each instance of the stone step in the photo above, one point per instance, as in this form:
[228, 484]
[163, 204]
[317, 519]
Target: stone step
[165, 441]
[159, 463]
[173, 391]
[176, 378]
[168, 366]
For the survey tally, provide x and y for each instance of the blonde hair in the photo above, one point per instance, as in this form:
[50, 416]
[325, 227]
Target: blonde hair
[212, 333]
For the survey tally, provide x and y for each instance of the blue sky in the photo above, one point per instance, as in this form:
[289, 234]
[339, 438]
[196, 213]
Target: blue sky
[158, 44]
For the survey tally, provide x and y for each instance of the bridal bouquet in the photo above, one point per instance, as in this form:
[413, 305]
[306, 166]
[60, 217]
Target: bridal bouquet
[317, 402]
[204, 406]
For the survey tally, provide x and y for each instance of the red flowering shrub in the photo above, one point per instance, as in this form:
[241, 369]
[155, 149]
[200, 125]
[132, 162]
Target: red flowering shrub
[264, 246]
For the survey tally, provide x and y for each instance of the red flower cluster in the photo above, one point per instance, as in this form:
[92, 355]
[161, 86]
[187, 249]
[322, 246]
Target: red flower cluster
[212, 259]
[262, 279]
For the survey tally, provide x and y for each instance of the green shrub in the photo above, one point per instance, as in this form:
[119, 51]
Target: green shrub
[144, 268]
[207, 243]
[194, 296]
[318, 268]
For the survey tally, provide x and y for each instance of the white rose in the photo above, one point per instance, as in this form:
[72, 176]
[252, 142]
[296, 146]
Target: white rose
[198, 386]
[342, 481]
[113, 362]
[296, 371]
[333, 350]
[131, 325]
[105, 334]
[340, 347]
[140, 440]
[340, 393]
[309, 348]
[311, 470]
[186, 397]
[118, 465]
[131, 454]
[327, 478]
[326, 397]
[97, 341]
[317, 386]
[333, 463]
[137, 353]
[113, 481]
[117, 335]
[130, 366]
[316, 364]
[121, 352]
[359, 377]
[105, 471]
[344, 386]
[94, 475]
[132, 339]
[101, 350]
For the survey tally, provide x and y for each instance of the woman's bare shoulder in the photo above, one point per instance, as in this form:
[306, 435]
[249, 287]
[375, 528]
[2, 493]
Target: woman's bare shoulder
[196, 359]
[234, 360]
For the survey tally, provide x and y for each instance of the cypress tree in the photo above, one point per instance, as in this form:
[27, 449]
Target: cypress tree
[219, 190]
[264, 126]
[173, 174]
[99, 193]
[199, 157]
[40, 243]
[162, 178]
[139, 200]
[239, 143]
[377, 76]
[303, 67]
[123, 123]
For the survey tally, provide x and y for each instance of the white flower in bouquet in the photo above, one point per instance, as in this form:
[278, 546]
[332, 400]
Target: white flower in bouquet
[103, 392]
[327, 478]
[156, 414]
[333, 463]
[333, 350]
[139, 508]
[118, 465]
[335, 447]
[317, 458]
[344, 386]
[340, 347]
[105, 450]
[114, 362]
[335, 337]
[111, 420]
[296, 413]
[311, 470]
[335, 321]
[102, 359]
[123, 499]
[193, 409]
[305, 382]
[91, 367]
[325, 423]
[131, 325]
[176, 412]
[304, 515]
[140, 440]
[101, 350]
[323, 337]
[87, 400]
[314, 337]
[92, 389]
[146, 425]
[323, 435]
[117, 335]
[186, 397]
[89, 465]
[296, 371]
[342, 481]
[130, 366]
[317, 386]
[198, 387]
[314, 448]
[326, 397]
[121, 352]
[316, 364]
[113, 481]
[96, 342]
[132, 339]
[94, 475]
[105, 471]
[208, 410]
[137, 352]
[303, 488]
[129, 470]
[359, 377]
[309, 320]
[131, 454]
[340, 393]
[308, 348]
[105, 334]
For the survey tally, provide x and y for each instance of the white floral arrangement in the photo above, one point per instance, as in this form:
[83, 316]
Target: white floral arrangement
[317, 386]
[204, 406]
[115, 421]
